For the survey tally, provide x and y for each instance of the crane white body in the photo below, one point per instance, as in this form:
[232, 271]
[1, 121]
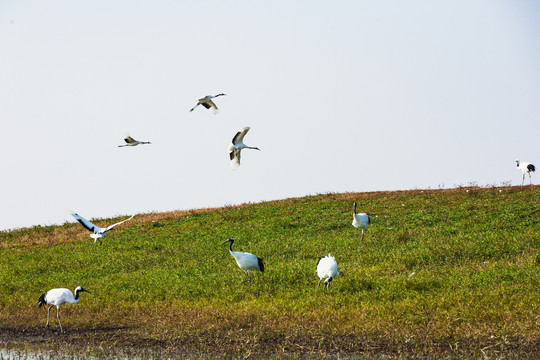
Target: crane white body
[208, 103]
[58, 297]
[98, 232]
[526, 168]
[245, 261]
[237, 145]
[360, 221]
[132, 142]
[326, 269]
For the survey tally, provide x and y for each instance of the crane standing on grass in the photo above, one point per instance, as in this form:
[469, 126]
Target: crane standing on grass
[58, 297]
[245, 261]
[326, 269]
[360, 221]
[526, 168]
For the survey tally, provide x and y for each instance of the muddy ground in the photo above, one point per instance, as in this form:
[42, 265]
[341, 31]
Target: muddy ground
[106, 341]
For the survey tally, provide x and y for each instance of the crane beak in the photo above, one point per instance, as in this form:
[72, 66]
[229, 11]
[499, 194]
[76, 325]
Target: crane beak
[226, 241]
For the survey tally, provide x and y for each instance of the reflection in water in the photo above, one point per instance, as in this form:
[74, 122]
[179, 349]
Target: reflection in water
[20, 352]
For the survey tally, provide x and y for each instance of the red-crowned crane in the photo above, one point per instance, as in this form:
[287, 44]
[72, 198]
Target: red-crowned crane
[360, 221]
[98, 232]
[245, 261]
[237, 145]
[208, 103]
[132, 142]
[326, 269]
[57, 297]
[526, 168]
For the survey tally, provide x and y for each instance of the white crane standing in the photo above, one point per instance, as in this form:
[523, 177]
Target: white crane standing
[326, 269]
[57, 297]
[98, 232]
[360, 221]
[132, 142]
[237, 145]
[526, 168]
[245, 261]
[208, 103]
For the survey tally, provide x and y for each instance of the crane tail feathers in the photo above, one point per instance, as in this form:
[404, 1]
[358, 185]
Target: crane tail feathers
[234, 155]
[531, 168]
[42, 300]
[261, 264]
[235, 164]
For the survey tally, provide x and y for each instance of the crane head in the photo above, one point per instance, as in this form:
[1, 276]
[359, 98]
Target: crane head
[80, 289]
[231, 239]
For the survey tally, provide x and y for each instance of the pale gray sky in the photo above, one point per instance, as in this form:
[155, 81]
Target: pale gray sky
[339, 95]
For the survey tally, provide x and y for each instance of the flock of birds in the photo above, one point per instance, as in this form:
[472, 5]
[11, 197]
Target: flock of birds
[246, 261]
[236, 146]
[326, 267]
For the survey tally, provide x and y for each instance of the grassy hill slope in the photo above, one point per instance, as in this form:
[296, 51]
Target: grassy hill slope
[439, 272]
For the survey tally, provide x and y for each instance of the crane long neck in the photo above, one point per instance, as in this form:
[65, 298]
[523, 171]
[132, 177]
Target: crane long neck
[77, 292]
[354, 210]
[73, 299]
[230, 245]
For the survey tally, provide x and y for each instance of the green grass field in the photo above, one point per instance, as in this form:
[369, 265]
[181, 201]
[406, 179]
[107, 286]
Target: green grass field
[440, 272]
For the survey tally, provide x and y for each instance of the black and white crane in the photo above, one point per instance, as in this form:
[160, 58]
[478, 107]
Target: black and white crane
[58, 297]
[132, 142]
[245, 261]
[98, 232]
[526, 168]
[360, 221]
[237, 145]
[326, 269]
[208, 103]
